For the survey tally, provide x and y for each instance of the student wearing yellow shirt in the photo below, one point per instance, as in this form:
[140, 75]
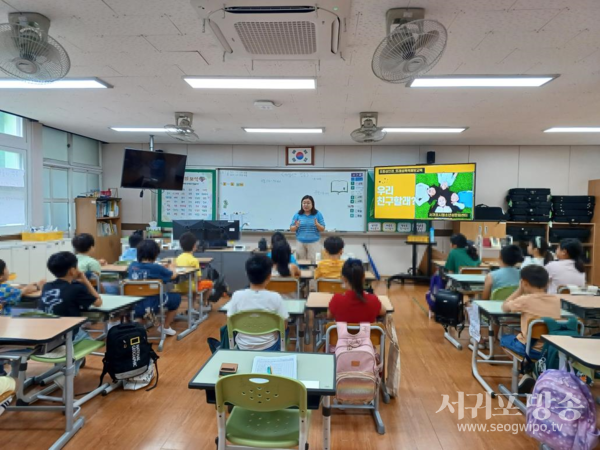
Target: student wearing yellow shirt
[331, 266]
[188, 243]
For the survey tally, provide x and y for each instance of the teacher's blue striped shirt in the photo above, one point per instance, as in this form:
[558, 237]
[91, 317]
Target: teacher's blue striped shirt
[308, 233]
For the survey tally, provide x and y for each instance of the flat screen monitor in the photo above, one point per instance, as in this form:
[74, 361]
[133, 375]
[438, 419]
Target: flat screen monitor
[427, 192]
[210, 233]
[153, 170]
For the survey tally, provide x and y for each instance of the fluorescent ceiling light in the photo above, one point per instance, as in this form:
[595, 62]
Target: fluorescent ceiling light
[284, 130]
[483, 81]
[139, 130]
[425, 130]
[573, 130]
[250, 83]
[65, 83]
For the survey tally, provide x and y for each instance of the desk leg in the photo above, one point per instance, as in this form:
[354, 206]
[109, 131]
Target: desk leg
[71, 426]
[326, 423]
[300, 333]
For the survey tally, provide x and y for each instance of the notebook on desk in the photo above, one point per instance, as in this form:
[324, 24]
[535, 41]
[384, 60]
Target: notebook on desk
[285, 366]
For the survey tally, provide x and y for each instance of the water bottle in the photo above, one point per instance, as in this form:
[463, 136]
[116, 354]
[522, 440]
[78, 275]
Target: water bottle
[431, 235]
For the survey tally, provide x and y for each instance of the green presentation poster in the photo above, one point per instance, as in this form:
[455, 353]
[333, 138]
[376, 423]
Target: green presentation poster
[389, 225]
[197, 200]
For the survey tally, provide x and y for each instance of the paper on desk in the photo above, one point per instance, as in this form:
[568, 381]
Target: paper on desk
[474, 324]
[285, 366]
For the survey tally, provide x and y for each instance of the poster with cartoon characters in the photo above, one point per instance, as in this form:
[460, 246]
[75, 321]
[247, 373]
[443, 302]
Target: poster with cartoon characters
[428, 192]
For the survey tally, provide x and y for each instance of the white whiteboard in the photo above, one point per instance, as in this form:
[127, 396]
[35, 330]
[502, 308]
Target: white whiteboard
[267, 200]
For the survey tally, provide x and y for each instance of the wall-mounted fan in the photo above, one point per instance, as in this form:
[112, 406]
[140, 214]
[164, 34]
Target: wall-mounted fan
[368, 131]
[28, 53]
[410, 49]
[182, 130]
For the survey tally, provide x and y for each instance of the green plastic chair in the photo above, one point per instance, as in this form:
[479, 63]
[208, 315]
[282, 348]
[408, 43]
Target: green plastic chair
[260, 417]
[503, 293]
[255, 323]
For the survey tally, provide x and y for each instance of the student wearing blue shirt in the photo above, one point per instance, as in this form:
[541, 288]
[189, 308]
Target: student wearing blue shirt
[131, 253]
[145, 268]
[308, 224]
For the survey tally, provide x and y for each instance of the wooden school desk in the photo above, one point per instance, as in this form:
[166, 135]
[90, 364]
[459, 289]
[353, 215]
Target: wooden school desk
[296, 310]
[309, 274]
[306, 262]
[46, 334]
[318, 367]
[585, 307]
[584, 350]
[111, 304]
[469, 285]
[493, 311]
[194, 317]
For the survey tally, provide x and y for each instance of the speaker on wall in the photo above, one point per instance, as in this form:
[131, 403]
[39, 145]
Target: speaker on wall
[430, 157]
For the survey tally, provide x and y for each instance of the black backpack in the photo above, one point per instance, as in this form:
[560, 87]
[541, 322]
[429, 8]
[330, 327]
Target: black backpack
[449, 309]
[220, 287]
[128, 353]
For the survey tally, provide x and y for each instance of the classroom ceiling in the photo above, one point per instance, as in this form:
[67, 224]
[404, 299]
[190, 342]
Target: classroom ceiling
[144, 47]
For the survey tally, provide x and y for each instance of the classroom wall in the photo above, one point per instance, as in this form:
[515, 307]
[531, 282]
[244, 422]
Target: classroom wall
[564, 169]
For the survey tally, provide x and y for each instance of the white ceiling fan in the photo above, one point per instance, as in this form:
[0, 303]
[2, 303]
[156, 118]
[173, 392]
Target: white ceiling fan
[182, 130]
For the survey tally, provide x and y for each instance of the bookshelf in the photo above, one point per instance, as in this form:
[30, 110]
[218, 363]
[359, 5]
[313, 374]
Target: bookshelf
[102, 219]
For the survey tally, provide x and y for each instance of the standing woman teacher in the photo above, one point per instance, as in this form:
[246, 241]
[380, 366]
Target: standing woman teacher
[308, 224]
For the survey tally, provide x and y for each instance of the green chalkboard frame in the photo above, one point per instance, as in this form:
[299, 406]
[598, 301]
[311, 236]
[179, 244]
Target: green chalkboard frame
[214, 196]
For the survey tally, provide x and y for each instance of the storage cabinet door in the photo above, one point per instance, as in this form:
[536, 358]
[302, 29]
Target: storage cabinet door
[37, 262]
[51, 249]
[6, 256]
[20, 263]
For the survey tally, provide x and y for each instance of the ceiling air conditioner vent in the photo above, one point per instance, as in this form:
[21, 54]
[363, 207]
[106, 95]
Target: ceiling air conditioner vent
[278, 38]
[277, 29]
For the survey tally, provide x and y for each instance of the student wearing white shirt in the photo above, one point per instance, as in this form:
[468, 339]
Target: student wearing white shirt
[569, 269]
[258, 269]
[540, 252]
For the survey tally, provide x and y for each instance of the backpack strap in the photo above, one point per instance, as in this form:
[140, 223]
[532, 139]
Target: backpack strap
[364, 331]
[342, 330]
[104, 371]
[154, 358]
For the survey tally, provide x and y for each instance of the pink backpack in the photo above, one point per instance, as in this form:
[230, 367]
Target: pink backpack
[357, 367]
[561, 412]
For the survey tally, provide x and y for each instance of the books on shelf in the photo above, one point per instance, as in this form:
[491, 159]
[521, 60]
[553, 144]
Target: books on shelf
[106, 229]
[107, 209]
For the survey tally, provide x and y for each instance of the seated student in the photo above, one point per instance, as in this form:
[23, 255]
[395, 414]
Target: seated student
[256, 297]
[570, 268]
[331, 265]
[9, 295]
[507, 275]
[282, 261]
[540, 252]
[131, 253]
[71, 292]
[355, 305]
[532, 301]
[278, 236]
[84, 246]
[189, 244]
[145, 268]
[463, 254]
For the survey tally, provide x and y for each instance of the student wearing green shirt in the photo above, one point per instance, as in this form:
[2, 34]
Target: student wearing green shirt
[462, 254]
[84, 247]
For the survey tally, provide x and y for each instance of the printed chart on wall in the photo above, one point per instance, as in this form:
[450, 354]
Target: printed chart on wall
[431, 192]
[267, 200]
[195, 202]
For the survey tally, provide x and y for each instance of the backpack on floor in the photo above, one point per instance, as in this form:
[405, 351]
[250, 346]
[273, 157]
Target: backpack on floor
[436, 284]
[357, 369]
[128, 353]
[561, 412]
[550, 358]
[449, 308]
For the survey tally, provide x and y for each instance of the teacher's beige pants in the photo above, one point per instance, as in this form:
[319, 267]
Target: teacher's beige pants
[307, 251]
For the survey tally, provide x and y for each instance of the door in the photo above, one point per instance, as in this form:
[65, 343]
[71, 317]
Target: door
[37, 262]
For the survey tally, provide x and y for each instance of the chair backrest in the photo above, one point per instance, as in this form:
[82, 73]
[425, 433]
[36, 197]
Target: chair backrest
[145, 288]
[474, 270]
[564, 290]
[256, 322]
[377, 333]
[260, 392]
[537, 328]
[331, 286]
[285, 285]
[503, 293]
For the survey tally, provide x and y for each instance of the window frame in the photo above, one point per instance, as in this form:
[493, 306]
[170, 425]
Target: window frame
[16, 229]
